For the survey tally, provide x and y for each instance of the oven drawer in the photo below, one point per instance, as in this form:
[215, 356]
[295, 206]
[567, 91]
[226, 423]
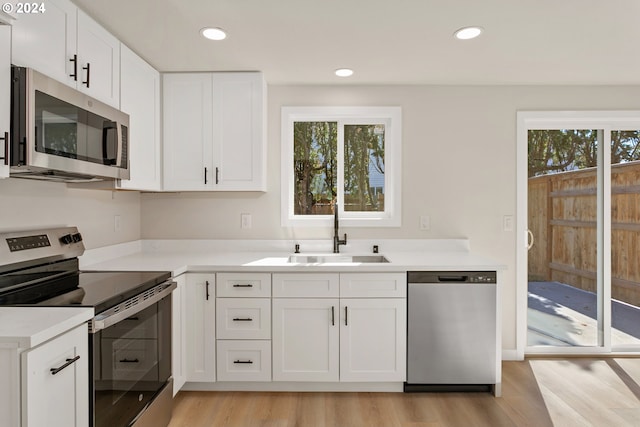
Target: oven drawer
[243, 285]
[129, 359]
[244, 360]
[243, 318]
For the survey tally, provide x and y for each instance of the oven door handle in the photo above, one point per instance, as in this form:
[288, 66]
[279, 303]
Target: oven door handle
[110, 318]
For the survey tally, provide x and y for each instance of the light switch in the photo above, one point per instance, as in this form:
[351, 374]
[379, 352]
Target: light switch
[245, 220]
[425, 222]
[507, 223]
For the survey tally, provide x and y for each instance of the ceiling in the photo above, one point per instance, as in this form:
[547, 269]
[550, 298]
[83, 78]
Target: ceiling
[386, 41]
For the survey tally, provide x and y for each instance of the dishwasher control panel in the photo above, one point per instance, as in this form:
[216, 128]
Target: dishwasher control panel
[451, 277]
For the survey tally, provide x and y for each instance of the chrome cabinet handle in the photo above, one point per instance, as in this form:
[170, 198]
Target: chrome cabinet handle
[88, 68]
[69, 362]
[75, 68]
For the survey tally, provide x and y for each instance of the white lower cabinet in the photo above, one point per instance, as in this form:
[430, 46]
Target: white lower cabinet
[356, 339]
[243, 326]
[373, 339]
[244, 360]
[55, 381]
[178, 333]
[200, 349]
[305, 339]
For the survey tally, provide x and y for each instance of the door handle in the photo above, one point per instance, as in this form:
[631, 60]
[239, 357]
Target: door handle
[346, 316]
[88, 68]
[333, 316]
[68, 363]
[75, 68]
[530, 239]
[206, 285]
[6, 149]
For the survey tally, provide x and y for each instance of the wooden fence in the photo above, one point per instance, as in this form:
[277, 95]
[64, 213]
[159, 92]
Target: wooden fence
[562, 217]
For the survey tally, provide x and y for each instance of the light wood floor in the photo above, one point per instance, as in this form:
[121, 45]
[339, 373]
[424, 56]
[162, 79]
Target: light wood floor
[538, 392]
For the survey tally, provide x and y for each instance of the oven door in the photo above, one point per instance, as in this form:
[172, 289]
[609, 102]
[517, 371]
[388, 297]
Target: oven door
[131, 361]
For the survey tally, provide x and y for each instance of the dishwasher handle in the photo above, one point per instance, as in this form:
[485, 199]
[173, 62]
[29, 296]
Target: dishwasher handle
[446, 278]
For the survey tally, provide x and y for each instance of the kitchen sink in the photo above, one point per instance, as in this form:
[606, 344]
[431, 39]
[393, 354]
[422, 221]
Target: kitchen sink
[336, 258]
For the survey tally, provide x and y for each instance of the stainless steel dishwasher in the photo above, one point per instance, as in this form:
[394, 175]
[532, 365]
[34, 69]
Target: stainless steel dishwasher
[451, 331]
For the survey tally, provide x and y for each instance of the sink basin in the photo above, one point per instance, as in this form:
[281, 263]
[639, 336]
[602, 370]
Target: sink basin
[336, 258]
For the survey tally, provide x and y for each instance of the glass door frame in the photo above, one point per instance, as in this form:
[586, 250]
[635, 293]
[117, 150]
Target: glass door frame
[605, 121]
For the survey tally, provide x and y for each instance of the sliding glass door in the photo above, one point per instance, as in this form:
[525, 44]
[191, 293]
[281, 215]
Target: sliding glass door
[579, 219]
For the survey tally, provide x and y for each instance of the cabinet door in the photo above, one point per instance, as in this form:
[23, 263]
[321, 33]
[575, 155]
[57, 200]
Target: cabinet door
[178, 334]
[200, 327]
[188, 164]
[5, 98]
[47, 41]
[61, 398]
[140, 98]
[305, 340]
[98, 61]
[239, 131]
[373, 339]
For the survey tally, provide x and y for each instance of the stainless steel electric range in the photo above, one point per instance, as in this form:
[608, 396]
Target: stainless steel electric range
[130, 335]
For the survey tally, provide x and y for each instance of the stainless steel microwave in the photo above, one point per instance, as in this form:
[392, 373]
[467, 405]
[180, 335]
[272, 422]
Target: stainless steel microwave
[61, 134]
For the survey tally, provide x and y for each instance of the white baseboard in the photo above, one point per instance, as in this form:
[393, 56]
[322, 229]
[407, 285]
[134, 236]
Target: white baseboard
[508, 354]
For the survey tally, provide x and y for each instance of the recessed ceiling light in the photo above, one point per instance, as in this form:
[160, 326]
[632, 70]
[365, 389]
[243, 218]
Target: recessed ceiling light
[344, 72]
[467, 33]
[213, 33]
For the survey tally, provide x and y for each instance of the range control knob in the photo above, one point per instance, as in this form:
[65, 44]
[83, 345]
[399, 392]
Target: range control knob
[77, 237]
[67, 239]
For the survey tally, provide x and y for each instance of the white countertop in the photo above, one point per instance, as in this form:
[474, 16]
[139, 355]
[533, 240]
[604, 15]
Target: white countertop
[27, 327]
[200, 256]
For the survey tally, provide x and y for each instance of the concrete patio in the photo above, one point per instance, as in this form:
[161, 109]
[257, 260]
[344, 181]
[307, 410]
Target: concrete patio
[561, 315]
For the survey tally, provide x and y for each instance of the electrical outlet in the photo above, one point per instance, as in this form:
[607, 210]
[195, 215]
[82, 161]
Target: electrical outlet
[425, 222]
[117, 223]
[245, 220]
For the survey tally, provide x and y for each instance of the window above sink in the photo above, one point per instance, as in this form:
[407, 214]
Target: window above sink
[349, 156]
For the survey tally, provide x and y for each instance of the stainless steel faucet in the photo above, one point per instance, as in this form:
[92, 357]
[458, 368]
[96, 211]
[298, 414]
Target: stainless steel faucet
[336, 239]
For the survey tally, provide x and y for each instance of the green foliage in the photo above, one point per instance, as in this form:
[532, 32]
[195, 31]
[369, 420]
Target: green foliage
[552, 151]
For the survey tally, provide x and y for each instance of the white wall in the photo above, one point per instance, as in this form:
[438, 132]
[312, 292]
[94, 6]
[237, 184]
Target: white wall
[458, 167]
[27, 204]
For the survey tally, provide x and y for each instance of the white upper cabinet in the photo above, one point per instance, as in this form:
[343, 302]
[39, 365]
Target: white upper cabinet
[188, 162]
[214, 132]
[67, 45]
[238, 132]
[140, 99]
[5, 99]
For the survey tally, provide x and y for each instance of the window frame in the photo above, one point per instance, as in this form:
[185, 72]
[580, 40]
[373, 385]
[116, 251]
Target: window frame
[391, 117]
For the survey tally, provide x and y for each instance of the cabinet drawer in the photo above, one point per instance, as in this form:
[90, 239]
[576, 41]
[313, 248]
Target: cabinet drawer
[291, 285]
[243, 318]
[244, 360]
[238, 285]
[373, 285]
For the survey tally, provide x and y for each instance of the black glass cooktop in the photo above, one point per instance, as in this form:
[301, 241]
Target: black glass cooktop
[101, 290]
